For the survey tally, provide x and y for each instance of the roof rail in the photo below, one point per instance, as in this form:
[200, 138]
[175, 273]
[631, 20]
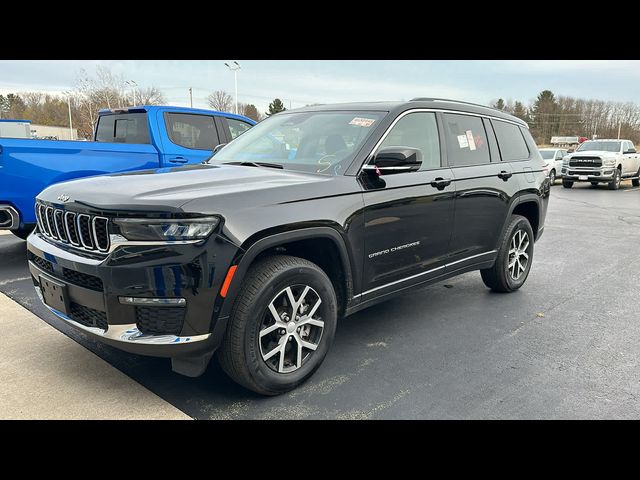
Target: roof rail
[431, 99]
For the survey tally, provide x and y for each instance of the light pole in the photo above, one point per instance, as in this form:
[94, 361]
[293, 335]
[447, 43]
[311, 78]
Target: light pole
[133, 86]
[234, 68]
[68, 95]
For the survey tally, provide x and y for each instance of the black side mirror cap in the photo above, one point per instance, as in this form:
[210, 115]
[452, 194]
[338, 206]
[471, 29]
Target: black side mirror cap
[392, 160]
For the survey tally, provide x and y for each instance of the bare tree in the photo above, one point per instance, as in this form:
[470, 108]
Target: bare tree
[151, 96]
[221, 101]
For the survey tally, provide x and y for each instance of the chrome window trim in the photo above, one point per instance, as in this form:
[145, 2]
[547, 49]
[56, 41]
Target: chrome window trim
[434, 110]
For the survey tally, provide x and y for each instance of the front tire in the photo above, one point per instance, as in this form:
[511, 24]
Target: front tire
[567, 184]
[513, 263]
[281, 327]
[552, 177]
[615, 183]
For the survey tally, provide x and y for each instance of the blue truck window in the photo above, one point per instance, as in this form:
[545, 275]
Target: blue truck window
[237, 127]
[123, 128]
[192, 131]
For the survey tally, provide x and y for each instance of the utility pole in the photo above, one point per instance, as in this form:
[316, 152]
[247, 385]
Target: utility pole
[234, 68]
[191, 96]
[619, 127]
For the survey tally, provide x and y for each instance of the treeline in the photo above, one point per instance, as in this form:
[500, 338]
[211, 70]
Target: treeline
[550, 115]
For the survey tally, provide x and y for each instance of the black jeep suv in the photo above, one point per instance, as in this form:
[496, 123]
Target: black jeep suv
[309, 216]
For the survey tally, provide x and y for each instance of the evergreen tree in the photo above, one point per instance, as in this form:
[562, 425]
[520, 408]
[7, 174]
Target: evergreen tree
[499, 104]
[275, 107]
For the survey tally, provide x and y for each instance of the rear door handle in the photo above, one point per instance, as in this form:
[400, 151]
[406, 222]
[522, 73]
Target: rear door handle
[178, 160]
[504, 175]
[440, 183]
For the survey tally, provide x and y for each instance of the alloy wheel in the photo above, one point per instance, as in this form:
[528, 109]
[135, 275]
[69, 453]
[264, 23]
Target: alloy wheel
[518, 257]
[291, 328]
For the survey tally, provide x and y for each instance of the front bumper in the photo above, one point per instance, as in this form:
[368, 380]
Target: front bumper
[93, 287]
[603, 174]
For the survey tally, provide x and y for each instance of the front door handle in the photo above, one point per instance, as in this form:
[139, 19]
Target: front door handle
[440, 183]
[178, 160]
[504, 175]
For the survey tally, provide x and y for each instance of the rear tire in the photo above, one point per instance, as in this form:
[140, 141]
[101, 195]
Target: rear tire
[636, 181]
[508, 272]
[268, 352]
[23, 233]
[567, 184]
[615, 183]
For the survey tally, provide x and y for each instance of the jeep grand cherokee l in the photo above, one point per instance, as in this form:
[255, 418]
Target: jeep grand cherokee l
[310, 216]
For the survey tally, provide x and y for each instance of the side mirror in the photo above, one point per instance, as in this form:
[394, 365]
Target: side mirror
[571, 150]
[392, 160]
[631, 150]
[217, 148]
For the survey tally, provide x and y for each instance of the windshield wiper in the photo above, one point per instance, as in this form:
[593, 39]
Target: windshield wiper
[256, 164]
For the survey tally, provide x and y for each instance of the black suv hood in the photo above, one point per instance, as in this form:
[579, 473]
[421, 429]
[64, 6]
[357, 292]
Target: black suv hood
[172, 188]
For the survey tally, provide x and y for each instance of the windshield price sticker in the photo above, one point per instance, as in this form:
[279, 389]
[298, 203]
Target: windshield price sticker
[362, 122]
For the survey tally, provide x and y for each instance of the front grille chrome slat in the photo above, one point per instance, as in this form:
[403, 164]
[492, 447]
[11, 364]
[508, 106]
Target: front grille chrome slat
[81, 230]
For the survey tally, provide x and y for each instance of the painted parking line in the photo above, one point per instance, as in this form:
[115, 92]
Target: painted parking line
[632, 189]
[46, 375]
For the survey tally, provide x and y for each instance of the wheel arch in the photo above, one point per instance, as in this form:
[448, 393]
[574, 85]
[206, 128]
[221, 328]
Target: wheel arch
[293, 241]
[529, 206]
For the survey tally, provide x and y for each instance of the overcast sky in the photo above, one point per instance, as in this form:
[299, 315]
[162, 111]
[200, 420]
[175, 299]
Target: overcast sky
[321, 81]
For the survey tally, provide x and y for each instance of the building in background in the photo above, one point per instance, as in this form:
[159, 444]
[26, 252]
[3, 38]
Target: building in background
[15, 128]
[48, 131]
[26, 129]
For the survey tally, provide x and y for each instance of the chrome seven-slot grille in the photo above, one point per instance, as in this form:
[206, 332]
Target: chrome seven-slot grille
[88, 232]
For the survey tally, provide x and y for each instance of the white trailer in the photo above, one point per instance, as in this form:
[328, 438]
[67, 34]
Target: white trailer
[15, 128]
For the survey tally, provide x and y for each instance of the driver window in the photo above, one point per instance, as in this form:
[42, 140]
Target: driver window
[417, 130]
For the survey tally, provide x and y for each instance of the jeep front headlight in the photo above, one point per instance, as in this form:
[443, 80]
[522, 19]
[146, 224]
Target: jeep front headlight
[154, 229]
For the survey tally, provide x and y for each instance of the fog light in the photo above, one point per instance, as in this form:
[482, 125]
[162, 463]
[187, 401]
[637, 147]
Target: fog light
[153, 301]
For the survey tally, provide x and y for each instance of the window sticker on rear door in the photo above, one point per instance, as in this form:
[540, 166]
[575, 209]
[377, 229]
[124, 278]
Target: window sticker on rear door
[472, 142]
[463, 141]
[362, 122]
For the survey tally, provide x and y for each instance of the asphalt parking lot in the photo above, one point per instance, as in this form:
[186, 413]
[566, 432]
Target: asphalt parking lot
[565, 346]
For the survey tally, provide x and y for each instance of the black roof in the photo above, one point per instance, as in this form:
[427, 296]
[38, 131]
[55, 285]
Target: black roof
[420, 102]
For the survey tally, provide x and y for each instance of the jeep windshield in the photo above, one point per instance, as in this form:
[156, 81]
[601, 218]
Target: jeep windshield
[599, 146]
[322, 142]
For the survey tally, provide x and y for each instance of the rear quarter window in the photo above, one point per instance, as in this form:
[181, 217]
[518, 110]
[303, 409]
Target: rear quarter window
[123, 128]
[510, 141]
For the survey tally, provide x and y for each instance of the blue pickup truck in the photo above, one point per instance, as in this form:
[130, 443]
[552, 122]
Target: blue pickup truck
[134, 138]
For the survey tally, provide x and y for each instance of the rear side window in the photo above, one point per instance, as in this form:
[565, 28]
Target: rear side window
[123, 128]
[237, 127]
[511, 142]
[417, 130]
[466, 140]
[192, 131]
